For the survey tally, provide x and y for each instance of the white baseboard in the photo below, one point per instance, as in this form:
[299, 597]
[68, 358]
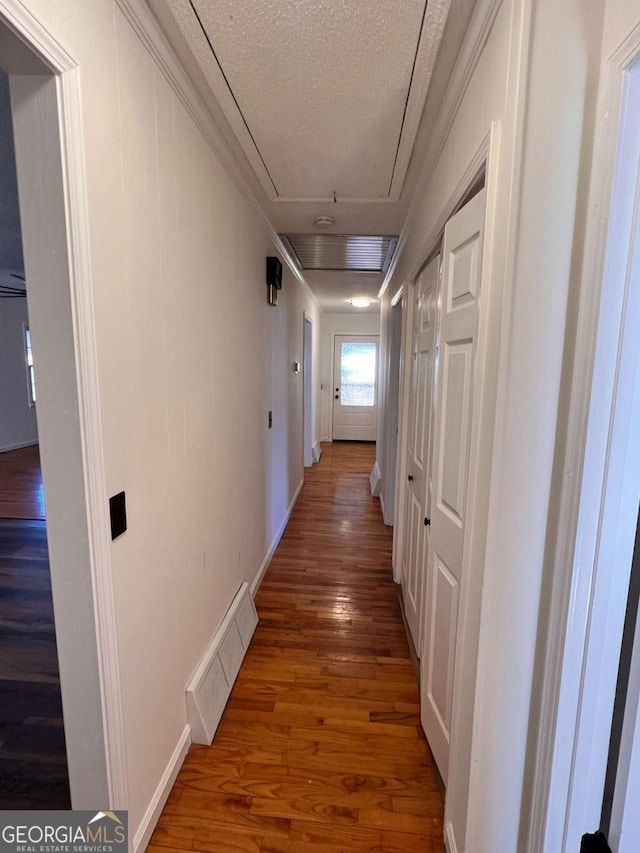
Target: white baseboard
[7, 447]
[152, 814]
[255, 586]
[449, 840]
[316, 451]
[375, 480]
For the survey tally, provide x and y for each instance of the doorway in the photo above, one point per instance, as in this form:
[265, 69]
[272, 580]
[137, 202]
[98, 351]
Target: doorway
[307, 378]
[589, 603]
[392, 414]
[46, 110]
[33, 764]
[355, 373]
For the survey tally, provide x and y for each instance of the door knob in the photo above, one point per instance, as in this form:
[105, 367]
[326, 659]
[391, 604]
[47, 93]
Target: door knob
[410, 478]
[337, 396]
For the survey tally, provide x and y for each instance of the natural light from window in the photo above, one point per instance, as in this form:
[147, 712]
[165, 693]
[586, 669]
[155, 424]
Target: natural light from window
[358, 374]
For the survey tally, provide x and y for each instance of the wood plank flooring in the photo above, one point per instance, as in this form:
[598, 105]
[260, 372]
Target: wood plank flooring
[21, 492]
[33, 764]
[320, 747]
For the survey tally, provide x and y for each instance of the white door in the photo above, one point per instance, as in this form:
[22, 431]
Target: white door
[355, 377]
[418, 482]
[462, 261]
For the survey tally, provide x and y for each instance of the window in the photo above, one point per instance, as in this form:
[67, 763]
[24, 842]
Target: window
[358, 374]
[31, 382]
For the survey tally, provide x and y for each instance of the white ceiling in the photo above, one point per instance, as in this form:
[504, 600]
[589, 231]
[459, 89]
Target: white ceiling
[316, 97]
[312, 98]
[324, 98]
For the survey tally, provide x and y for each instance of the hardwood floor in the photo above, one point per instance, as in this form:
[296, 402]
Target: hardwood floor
[320, 747]
[21, 492]
[33, 764]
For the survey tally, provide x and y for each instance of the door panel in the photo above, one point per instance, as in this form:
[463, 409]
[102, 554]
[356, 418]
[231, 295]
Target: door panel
[445, 609]
[355, 387]
[418, 463]
[453, 411]
[453, 456]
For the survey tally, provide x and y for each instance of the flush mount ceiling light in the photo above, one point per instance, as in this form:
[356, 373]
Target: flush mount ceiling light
[325, 222]
[361, 303]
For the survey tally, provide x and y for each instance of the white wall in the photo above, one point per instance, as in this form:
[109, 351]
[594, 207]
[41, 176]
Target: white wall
[191, 359]
[389, 404]
[332, 325]
[533, 91]
[17, 419]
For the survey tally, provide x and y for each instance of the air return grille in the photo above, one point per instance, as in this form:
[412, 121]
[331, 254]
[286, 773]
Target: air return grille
[211, 684]
[354, 252]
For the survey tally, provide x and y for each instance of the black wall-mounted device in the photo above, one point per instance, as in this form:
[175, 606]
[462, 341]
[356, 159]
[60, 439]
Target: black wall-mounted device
[274, 273]
[118, 515]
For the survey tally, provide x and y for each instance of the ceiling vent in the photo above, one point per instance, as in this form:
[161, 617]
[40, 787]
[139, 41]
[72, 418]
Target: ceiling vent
[342, 252]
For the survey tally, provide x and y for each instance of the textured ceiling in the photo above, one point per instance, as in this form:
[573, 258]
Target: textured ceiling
[324, 98]
[316, 97]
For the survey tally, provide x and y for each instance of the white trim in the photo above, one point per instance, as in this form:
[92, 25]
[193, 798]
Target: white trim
[406, 343]
[317, 451]
[586, 613]
[375, 480]
[308, 421]
[382, 510]
[149, 32]
[73, 168]
[255, 586]
[29, 30]
[34, 35]
[161, 794]
[435, 18]
[449, 840]
[474, 42]
[474, 168]
[398, 295]
[8, 447]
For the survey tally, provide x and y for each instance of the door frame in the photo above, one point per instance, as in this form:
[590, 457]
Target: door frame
[98, 708]
[485, 162]
[354, 335]
[307, 391]
[390, 410]
[475, 168]
[602, 481]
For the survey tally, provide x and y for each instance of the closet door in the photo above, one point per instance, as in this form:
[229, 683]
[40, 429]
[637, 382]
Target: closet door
[418, 483]
[462, 261]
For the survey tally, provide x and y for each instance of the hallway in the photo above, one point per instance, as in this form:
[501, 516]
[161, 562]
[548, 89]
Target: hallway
[320, 746]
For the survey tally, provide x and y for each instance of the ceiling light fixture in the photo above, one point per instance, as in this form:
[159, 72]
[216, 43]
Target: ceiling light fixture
[361, 303]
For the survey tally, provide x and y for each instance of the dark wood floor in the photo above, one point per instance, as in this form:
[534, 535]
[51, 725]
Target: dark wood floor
[320, 747]
[21, 492]
[33, 769]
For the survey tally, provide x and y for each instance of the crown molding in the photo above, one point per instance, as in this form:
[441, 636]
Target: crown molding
[474, 43]
[435, 19]
[154, 40]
